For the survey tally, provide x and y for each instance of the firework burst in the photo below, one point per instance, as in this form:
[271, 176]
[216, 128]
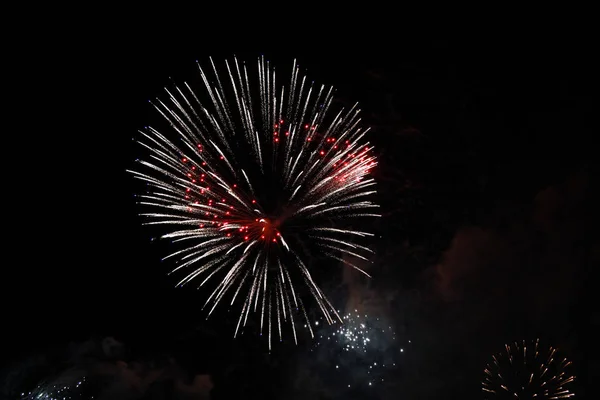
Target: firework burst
[253, 181]
[523, 371]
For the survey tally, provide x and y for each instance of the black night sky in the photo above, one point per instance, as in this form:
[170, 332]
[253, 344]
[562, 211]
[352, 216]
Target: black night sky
[485, 146]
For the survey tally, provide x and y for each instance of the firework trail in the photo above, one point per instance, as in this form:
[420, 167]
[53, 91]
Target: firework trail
[524, 371]
[252, 181]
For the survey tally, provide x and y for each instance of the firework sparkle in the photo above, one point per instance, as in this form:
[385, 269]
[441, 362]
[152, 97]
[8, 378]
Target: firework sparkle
[251, 182]
[64, 388]
[524, 371]
[361, 353]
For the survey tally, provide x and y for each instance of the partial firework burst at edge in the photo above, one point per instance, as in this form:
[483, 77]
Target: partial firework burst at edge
[526, 371]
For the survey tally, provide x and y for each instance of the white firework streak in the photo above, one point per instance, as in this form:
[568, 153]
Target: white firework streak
[205, 176]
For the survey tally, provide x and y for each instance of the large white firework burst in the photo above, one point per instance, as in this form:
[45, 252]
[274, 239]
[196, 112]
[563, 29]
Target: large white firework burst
[251, 178]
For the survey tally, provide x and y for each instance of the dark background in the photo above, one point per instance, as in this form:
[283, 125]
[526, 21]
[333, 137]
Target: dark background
[486, 148]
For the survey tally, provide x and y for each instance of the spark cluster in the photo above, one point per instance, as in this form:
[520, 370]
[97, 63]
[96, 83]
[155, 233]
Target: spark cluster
[251, 178]
[361, 351]
[59, 390]
[524, 371]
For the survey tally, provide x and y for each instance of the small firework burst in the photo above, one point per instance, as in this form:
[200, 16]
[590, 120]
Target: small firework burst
[525, 371]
